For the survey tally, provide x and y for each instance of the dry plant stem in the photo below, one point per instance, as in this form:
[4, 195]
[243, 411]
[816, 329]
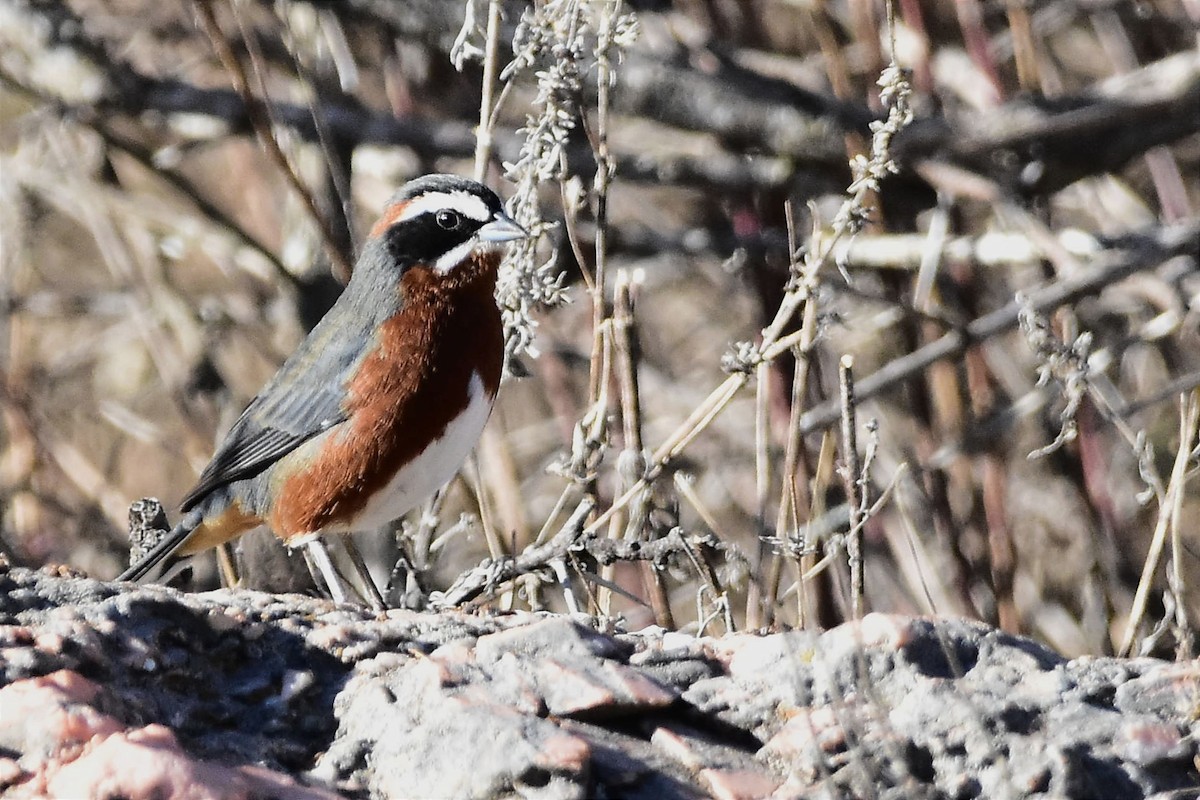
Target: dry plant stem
[932, 246]
[1105, 591]
[618, 521]
[1163, 168]
[185, 187]
[970, 21]
[990, 469]
[626, 351]
[1189, 414]
[1105, 405]
[604, 167]
[563, 574]
[17, 462]
[571, 223]
[851, 478]
[227, 565]
[918, 555]
[660, 599]
[496, 548]
[1066, 359]
[940, 410]
[868, 171]
[422, 534]
[796, 470]
[491, 68]
[1011, 213]
[823, 596]
[118, 257]
[757, 592]
[501, 510]
[794, 488]
[593, 578]
[490, 574]
[337, 156]
[459, 528]
[71, 462]
[564, 499]
[341, 236]
[120, 261]
[1001, 555]
[500, 473]
[1105, 270]
[914, 20]
[835, 58]
[1024, 49]
[830, 560]
[1184, 383]
[601, 311]
[260, 120]
[923, 253]
[700, 418]
[686, 486]
[866, 32]
[116, 254]
[1189, 421]
[703, 559]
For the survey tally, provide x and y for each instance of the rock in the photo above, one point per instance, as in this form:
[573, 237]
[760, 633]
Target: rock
[140, 692]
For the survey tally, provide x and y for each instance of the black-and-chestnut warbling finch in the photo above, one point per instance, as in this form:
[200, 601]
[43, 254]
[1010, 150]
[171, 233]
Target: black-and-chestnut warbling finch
[383, 401]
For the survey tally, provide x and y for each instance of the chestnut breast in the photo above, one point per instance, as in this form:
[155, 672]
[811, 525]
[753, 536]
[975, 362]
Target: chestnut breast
[414, 408]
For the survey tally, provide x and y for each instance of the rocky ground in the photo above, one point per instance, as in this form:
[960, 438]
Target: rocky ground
[111, 690]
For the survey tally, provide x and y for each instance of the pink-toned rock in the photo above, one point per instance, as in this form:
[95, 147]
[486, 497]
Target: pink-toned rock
[887, 632]
[741, 784]
[71, 749]
[806, 730]
[676, 747]
[148, 763]
[1145, 742]
[564, 753]
[48, 717]
[450, 704]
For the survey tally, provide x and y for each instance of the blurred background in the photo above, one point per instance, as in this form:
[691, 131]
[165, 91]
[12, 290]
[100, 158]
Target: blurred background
[183, 184]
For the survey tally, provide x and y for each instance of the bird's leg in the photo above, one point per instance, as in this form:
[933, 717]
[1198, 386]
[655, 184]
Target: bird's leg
[316, 554]
[369, 591]
[227, 565]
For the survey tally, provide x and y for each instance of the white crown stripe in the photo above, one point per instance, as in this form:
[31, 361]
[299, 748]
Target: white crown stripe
[467, 204]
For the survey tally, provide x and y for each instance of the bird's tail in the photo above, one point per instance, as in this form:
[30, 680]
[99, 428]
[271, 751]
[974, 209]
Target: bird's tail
[164, 549]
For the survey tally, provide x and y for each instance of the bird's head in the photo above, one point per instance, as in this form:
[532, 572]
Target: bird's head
[441, 222]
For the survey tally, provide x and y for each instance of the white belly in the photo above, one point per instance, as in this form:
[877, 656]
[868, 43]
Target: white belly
[430, 470]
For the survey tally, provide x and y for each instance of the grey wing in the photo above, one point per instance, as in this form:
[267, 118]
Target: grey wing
[274, 424]
[302, 400]
[305, 397]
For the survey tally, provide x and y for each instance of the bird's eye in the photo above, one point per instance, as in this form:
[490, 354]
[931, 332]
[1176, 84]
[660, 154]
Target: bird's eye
[448, 220]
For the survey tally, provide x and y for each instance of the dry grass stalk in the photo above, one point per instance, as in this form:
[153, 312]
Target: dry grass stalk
[259, 110]
[852, 479]
[1167, 527]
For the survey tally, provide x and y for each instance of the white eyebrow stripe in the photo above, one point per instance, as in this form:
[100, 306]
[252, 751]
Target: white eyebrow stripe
[467, 204]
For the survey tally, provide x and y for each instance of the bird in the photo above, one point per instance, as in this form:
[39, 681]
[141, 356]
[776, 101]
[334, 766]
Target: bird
[384, 399]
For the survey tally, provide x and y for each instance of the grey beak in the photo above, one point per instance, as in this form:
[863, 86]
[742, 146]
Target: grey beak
[501, 228]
